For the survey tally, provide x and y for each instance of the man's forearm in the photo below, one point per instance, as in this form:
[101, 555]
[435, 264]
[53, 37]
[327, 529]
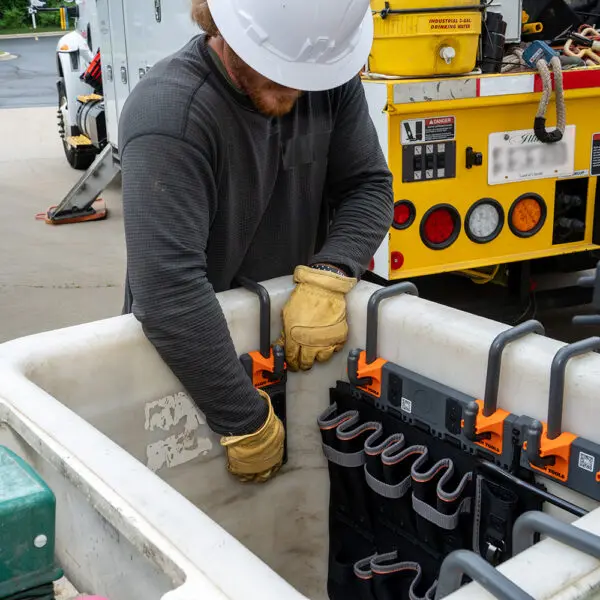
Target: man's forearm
[361, 223]
[359, 185]
[166, 214]
[190, 333]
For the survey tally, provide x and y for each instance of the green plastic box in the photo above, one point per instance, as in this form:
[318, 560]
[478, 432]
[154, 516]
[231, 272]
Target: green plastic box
[27, 530]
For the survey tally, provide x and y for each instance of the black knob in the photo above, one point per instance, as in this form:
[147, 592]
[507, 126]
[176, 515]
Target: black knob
[470, 419]
[279, 359]
[474, 158]
[353, 357]
[534, 441]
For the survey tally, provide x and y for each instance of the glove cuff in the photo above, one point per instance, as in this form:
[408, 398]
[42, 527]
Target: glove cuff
[324, 279]
[237, 439]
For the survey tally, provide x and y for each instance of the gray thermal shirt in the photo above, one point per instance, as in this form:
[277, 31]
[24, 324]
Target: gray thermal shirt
[213, 190]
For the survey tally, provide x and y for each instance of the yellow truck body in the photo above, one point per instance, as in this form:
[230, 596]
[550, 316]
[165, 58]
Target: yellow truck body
[463, 150]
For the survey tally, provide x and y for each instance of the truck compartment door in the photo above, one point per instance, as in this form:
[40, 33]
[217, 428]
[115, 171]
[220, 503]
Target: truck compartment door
[115, 74]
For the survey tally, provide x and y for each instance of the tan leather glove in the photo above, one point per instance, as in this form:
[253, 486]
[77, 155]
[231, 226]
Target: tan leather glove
[314, 319]
[257, 456]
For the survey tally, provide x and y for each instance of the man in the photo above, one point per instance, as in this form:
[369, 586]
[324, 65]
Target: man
[231, 149]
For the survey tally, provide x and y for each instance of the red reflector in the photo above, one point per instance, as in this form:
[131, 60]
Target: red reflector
[401, 213]
[439, 226]
[372, 264]
[397, 259]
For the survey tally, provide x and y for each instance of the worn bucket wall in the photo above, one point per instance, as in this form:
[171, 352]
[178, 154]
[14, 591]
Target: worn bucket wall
[99, 414]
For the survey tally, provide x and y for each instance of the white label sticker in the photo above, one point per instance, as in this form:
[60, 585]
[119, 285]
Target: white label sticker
[428, 131]
[586, 462]
[582, 173]
[519, 156]
[406, 405]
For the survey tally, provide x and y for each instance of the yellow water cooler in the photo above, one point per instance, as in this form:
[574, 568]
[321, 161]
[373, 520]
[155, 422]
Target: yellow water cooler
[425, 38]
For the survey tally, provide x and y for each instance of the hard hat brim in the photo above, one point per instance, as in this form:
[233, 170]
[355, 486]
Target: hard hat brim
[306, 77]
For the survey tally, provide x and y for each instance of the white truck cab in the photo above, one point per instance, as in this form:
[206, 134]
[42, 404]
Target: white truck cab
[130, 38]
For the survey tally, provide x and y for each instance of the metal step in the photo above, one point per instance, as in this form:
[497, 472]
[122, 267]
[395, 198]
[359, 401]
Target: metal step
[77, 205]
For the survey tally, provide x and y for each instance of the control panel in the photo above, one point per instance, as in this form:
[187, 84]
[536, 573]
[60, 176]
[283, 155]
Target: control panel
[428, 162]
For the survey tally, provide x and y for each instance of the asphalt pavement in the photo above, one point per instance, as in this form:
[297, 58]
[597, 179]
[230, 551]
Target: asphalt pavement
[29, 80]
[51, 276]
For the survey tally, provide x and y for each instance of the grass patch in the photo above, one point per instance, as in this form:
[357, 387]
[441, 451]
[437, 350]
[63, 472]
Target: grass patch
[19, 30]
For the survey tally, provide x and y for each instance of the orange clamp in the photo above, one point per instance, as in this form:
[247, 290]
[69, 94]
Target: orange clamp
[260, 366]
[492, 427]
[372, 372]
[559, 449]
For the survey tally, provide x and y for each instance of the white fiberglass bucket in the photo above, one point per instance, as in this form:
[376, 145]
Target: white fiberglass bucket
[145, 506]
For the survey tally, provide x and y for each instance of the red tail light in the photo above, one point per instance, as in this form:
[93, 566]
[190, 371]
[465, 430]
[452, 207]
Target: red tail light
[440, 226]
[404, 214]
[372, 265]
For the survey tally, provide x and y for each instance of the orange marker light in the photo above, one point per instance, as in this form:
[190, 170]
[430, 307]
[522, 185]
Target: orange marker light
[527, 215]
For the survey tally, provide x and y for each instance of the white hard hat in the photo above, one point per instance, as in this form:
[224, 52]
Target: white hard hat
[302, 44]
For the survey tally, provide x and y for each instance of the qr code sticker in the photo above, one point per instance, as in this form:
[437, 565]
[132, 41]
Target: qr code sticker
[586, 462]
[406, 405]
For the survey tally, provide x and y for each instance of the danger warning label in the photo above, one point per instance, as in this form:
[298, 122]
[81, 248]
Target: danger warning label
[435, 129]
[595, 166]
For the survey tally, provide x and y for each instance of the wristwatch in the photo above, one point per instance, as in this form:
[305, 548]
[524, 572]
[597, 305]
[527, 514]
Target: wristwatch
[329, 268]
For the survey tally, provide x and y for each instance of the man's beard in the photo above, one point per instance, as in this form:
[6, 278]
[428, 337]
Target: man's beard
[269, 98]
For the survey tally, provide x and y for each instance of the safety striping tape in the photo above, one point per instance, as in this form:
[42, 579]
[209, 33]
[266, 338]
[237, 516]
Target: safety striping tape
[411, 92]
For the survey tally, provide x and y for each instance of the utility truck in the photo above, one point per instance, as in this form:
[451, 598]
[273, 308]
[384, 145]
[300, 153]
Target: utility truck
[477, 192]
[438, 445]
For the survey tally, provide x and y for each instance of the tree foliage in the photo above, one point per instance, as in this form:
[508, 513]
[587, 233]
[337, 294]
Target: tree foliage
[14, 14]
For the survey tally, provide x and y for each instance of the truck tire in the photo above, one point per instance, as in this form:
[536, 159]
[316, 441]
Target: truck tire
[78, 159]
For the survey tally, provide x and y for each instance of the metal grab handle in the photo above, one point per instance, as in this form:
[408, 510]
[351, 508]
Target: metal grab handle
[492, 382]
[465, 562]
[265, 313]
[373, 313]
[592, 281]
[533, 522]
[557, 381]
[497, 348]
[586, 320]
[587, 282]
